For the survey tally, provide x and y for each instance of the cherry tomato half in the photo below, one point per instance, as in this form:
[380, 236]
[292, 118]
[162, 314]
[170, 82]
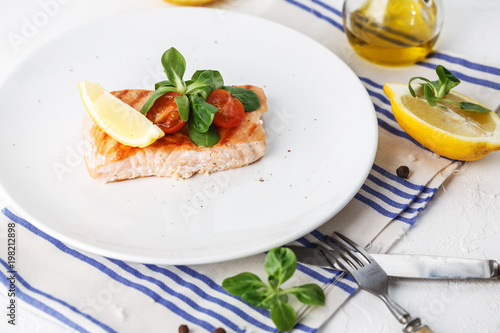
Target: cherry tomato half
[164, 113]
[230, 110]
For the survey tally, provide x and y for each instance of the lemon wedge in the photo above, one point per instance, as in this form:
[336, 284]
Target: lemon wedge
[118, 119]
[189, 2]
[449, 132]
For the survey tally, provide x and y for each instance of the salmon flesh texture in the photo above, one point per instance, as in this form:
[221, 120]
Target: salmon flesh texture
[173, 155]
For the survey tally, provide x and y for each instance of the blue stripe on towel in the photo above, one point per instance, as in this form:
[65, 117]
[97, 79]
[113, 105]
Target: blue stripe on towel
[328, 7]
[381, 210]
[387, 200]
[386, 113]
[212, 284]
[391, 188]
[55, 299]
[397, 179]
[371, 82]
[335, 279]
[317, 14]
[40, 305]
[382, 98]
[304, 328]
[466, 78]
[104, 269]
[193, 304]
[466, 63]
[237, 311]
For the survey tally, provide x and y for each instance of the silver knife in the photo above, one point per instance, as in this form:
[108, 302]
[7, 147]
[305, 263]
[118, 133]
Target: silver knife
[412, 266]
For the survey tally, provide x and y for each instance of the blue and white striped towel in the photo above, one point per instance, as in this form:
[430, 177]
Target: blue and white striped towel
[90, 293]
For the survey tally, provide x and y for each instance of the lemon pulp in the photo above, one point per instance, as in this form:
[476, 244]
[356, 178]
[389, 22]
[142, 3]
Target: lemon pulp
[448, 131]
[118, 119]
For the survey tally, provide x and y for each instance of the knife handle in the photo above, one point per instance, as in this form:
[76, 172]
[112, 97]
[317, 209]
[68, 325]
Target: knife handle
[415, 326]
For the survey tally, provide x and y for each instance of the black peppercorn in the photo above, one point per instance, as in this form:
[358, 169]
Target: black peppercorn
[219, 330]
[403, 171]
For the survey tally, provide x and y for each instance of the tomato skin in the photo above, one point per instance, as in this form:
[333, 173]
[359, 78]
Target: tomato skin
[164, 113]
[230, 110]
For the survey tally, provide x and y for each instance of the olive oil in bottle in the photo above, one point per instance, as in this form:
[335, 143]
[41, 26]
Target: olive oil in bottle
[392, 32]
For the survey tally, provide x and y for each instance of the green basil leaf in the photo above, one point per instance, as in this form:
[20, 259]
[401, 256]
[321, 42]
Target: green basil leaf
[203, 114]
[247, 97]
[242, 283]
[472, 107]
[164, 83]
[182, 106]
[263, 298]
[280, 264]
[174, 66]
[310, 294]
[208, 139]
[283, 316]
[154, 96]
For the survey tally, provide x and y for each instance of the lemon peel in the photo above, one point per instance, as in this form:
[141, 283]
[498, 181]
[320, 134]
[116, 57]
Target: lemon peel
[189, 2]
[448, 131]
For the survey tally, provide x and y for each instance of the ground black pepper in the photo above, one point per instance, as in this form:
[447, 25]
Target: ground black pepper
[403, 171]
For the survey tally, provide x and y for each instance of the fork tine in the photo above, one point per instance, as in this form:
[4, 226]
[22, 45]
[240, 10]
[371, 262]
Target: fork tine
[369, 275]
[348, 251]
[340, 245]
[342, 260]
[339, 238]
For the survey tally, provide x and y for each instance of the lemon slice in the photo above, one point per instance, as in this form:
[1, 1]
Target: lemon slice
[118, 119]
[189, 2]
[450, 132]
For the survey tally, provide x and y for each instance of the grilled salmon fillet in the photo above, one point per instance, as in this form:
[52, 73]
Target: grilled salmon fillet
[174, 155]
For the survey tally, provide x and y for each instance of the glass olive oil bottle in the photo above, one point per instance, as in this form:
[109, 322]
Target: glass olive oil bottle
[392, 32]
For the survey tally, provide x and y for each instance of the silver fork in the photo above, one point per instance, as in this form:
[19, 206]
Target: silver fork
[369, 276]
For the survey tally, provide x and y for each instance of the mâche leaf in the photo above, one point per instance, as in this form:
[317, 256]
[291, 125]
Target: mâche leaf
[203, 114]
[263, 298]
[192, 105]
[174, 66]
[242, 283]
[164, 83]
[280, 264]
[204, 82]
[435, 91]
[283, 316]
[472, 107]
[182, 106]
[154, 96]
[207, 139]
[247, 97]
[310, 294]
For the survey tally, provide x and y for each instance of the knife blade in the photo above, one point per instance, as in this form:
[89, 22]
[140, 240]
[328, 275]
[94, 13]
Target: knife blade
[412, 266]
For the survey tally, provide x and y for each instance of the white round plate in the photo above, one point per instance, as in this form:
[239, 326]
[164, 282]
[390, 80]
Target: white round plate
[321, 130]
